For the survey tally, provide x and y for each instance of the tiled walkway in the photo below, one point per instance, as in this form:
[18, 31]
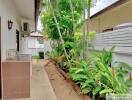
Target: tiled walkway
[41, 88]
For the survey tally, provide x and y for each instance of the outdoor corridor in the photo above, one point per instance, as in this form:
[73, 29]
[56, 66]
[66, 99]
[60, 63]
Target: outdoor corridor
[49, 85]
[41, 88]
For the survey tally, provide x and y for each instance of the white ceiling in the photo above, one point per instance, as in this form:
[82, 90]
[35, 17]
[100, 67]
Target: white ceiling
[25, 8]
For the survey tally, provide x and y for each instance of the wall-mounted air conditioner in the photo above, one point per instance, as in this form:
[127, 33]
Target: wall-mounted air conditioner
[25, 27]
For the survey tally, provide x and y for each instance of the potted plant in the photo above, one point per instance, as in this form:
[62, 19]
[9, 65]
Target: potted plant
[41, 55]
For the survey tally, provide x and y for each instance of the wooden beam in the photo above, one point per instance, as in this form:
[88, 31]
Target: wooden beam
[37, 5]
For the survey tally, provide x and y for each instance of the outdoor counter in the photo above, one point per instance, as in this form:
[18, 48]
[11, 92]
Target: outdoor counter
[16, 76]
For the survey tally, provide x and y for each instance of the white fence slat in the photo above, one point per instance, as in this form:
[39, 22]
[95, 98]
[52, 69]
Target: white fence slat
[122, 39]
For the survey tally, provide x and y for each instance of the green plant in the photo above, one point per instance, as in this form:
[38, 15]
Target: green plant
[52, 54]
[104, 56]
[64, 18]
[84, 75]
[115, 81]
[96, 77]
[110, 78]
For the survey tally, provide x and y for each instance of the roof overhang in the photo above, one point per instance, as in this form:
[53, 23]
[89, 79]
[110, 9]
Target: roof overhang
[25, 8]
[108, 7]
[28, 9]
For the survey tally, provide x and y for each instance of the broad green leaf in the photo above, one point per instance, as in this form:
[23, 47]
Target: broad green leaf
[79, 70]
[106, 91]
[96, 90]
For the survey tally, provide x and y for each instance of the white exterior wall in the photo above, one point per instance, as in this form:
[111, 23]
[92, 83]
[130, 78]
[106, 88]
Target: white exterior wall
[24, 46]
[34, 52]
[24, 40]
[30, 45]
[8, 37]
[9, 11]
[34, 47]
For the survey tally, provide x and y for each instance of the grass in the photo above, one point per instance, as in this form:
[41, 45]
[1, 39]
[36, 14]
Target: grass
[35, 57]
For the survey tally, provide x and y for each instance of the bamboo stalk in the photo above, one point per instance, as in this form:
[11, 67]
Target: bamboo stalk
[84, 30]
[88, 23]
[73, 18]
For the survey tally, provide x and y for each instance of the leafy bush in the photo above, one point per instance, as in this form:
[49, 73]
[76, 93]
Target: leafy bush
[96, 77]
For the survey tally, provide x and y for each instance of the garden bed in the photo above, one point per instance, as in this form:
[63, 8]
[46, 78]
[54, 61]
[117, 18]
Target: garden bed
[77, 88]
[65, 88]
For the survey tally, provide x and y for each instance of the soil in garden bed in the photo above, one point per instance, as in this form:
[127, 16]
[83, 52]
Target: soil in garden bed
[62, 88]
